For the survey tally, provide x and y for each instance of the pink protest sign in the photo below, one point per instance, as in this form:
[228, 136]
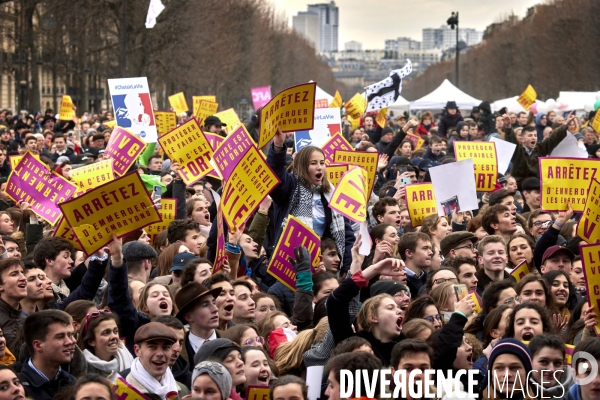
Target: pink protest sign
[260, 96]
[124, 148]
[294, 234]
[231, 151]
[335, 142]
[33, 182]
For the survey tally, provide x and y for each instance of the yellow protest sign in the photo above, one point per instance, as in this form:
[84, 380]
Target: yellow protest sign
[14, 160]
[63, 230]
[167, 212]
[258, 393]
[382, 117]
[321, 103]
[596, 122]
[230, 118]
[351, 194]
[337, 100]
[124, 391]
[93, 175]
[178, 103]
[291, 110]
[420, 201]
[364, 159]
[565, 180]
[354, 122]
[588, 224]
[520, 271]
[485, 162]
[166, 121]
[118, 207]
[335, 172]
[527, 98]
[67, 112]
[111, 124]
[335, 142]
[476, 302]
[205, 109]
[590, 260]
[197, 99]
[251, 181]
[187, 146]
[417, 140]
[569, 354]
[356, 106]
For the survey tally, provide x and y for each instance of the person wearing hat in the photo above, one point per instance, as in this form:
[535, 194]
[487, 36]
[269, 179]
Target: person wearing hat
[459, 244]
[150, 372]
[550, 239]
[220, 350]
[210, 378]
[531, 194]
[397, 290]
[48, 122]
[196, 305]
[557, 258]
[509, 362]
[213, 124]
[139, 256]
[450, 117]
[176, 269]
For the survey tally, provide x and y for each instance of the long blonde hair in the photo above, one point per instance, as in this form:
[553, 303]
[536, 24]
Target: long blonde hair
[369, 309]
[288, 356]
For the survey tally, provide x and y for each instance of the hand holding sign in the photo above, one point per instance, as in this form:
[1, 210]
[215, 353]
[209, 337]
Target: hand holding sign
[279, 139]
[591, 320]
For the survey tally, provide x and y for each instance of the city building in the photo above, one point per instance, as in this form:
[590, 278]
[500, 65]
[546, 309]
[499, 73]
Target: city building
[353, 46]
[307, 25]
[402, 43]
[319, 25]
[443, 38]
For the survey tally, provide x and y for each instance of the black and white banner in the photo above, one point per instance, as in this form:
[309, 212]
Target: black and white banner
[387, 91]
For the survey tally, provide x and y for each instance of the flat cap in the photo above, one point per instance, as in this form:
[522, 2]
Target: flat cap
[450, 241]
[154, 331]
[137, 251]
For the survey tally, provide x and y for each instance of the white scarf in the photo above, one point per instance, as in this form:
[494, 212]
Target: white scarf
[162, 389]
[121, 362]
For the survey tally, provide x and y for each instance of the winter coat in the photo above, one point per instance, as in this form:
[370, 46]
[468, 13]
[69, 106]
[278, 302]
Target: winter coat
[539, 127]
[448, 121]
[430, 156]
[525, 165]
[486, 121]
[423, 130]
[11, 322]
[451, 140]
[69, 153]
[285, 295]
[39, 388]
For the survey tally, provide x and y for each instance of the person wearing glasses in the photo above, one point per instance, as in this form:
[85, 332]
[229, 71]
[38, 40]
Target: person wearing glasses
[99, 339]
[459, 244]
[397, 290]
[244, 335]
[436, 278]
[539, 222]
[493, 258]
[425, 308]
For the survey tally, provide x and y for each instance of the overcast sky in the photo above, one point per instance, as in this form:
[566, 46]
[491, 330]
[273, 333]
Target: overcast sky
[372, 21]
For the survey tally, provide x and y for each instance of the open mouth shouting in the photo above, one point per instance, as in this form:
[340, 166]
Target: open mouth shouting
[470, 359]
[159, 364]
[319, 176]
[163, 306]
[228, 310]
[399, 323]
[527, 336]
[263, 377]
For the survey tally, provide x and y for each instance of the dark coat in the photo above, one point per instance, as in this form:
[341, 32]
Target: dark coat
[11, 322]
[69, 153]
[448, 121]
[430, 156]
[38, 388]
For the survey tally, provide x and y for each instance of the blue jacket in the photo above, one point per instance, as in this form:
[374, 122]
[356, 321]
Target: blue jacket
[574, 393]
[281, 196]
[286, 296]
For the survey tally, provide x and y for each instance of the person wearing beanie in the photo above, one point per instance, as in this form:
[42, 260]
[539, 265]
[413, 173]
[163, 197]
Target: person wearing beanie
[397, 290]
[450, 117]
[509, 360]
[211, 381]
[460, 135]
[229, 354]
[594, 150]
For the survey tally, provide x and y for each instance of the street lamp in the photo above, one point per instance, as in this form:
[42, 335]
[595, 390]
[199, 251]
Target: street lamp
[453, 22]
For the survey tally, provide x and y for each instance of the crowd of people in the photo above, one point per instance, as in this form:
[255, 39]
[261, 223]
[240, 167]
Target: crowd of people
[153, 312]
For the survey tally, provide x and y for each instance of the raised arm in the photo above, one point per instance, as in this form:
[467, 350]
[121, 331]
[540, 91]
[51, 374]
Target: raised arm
[276, 160]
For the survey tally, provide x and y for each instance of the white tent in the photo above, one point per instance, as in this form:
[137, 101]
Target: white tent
[577, 100]
[510, 103]
[437, 99]
[321, 94]
[399, 106]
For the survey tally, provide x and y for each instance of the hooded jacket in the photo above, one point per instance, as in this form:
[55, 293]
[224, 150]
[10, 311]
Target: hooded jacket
[539, 127]
[486, 121]
[456, 138]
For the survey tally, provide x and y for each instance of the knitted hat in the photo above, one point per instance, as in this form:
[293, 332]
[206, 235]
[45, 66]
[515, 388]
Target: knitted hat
[387, 286]
[215, 349]
[218, 373]
[514, 347]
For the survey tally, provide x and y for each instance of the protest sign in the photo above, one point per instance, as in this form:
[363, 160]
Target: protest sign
[198, 99]
[64, 230]
[327, 123]
[335, 142]
[14, 160]
[133, 106]
[251, 181]
[565, 180]
[569, 354]
[420, 201]
[214, 140]
[354, 122]
[569, 147]
[118, 207]
[229, 153]
[350, 196]
[258, 393]
[485, 162]
[476, 302]
[124, 148]
[67, 112]
[178, 103]
[335, 172]
[188, 146]
[416, 140]
[204, 109]
[590, 261]
[294, 234]
[321, 103]
[167, 212]
[337, 100]
[505, 151]
[260, 96]
[33, 182]
[596, 122]
[124, 391]
[364, 159]
[382, 117]
[230, 118]
[221, 256]
[111, 124]
[520, 271]
[290, 110]
[356, 106]
[92, 175]
[166, 121]
[455, 180]
[527, 98]
[587, 227]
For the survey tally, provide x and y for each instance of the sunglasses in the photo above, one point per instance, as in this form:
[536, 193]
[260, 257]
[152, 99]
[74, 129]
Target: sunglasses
[251, 342]
[92, 315]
